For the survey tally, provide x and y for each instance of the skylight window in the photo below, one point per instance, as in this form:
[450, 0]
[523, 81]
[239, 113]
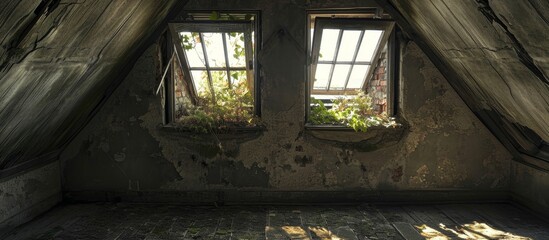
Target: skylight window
[215, 68]
[351, 65]
[343, 51]
[219, 55]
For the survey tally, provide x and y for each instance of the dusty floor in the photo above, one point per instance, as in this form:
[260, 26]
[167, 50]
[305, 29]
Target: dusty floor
[132, 221]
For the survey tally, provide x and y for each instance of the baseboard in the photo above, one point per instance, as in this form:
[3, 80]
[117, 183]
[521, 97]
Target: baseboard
[241, 197]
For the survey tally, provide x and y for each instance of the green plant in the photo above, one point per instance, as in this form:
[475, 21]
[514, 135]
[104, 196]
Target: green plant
[231, 107]
[355, 112]
[226, 101]
[321, 115]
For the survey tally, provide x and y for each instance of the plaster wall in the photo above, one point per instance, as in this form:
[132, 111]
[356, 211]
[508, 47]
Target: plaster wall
[530, 186]
[28, 194]
[442, 145]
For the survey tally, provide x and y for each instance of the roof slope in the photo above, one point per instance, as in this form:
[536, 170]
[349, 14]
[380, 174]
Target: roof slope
[58, 61]
[496, 55]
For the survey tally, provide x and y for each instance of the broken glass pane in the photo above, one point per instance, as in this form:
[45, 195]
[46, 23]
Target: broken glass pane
[214, 49]
[193, 49]
[238, 77]
[200, 79]
[236, 49]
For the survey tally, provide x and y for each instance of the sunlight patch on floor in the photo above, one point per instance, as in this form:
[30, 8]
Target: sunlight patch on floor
[295, 232]
[474, 230]
[322, 233]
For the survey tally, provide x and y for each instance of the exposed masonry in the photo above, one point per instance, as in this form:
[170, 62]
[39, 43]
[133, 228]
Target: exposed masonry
[377, 88]
[442, 144]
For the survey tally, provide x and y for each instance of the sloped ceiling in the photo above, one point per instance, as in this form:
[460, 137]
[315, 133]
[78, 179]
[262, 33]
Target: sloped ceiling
[61, 58]
[496, 54]
[58, 60]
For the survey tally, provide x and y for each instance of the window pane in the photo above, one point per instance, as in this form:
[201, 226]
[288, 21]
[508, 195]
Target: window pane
[357, 76]
[340, 76]
[220, 81]
[200, 79]
[236, 49]
[238, 78]
[193, 49]
[368, 45]
[349, 43]
[214, 49]
[328, 44]
[321, 76]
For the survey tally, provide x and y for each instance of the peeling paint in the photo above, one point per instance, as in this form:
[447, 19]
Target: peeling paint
[443, 145]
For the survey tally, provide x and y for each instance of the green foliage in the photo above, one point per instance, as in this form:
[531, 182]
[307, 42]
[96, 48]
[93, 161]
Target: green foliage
[189, 41]
[220, 105]
[321, 115]
[233, 106]
[356, 112]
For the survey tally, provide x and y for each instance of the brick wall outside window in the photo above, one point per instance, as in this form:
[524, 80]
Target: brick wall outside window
[377, 87]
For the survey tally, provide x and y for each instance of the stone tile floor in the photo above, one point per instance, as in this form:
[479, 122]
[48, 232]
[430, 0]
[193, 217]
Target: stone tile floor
[148, 221]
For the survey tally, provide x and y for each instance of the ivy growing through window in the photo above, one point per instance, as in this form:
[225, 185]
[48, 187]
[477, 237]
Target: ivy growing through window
[345, 52]
[216, 87]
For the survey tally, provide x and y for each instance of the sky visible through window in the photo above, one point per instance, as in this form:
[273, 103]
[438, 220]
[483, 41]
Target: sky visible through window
[213, 43]
[344, 58]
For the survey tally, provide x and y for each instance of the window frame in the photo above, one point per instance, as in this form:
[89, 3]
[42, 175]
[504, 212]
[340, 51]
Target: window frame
[180, 58]
[368, 19]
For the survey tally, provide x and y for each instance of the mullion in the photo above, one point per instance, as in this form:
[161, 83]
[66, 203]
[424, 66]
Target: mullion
[226, 59]
[338, 44]
[219, 68]
[345, 62]
[203, 43]
[354, 59]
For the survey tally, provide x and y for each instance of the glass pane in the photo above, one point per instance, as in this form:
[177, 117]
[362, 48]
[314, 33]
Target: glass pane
[368, 45]
[321, 76]
[340, 76]
[357, 76]
[236, 49]
[238, 78]
[220, 81]
[200, 79]
[214, 49]
[328, 44]
[349, 43]
[193, 49]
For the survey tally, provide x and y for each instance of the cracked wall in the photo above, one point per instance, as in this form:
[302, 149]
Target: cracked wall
[500, 53]
[28, 194]
[496, 52]
[66, 54]
[443, 146]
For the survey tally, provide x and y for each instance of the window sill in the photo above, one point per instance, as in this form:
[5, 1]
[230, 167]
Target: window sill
[244, 133]
[374, 135]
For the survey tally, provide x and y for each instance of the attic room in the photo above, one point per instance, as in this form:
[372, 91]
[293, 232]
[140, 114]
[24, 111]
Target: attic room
[287, 119]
